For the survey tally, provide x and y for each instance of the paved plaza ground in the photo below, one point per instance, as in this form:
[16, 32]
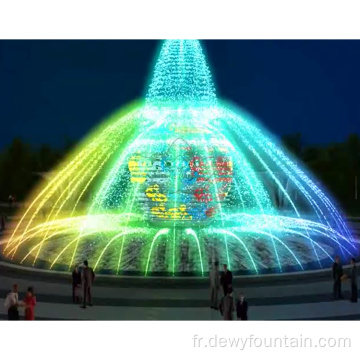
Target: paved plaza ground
[291, 298]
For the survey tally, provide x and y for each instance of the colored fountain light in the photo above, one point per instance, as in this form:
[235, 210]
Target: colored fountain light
[172, 183]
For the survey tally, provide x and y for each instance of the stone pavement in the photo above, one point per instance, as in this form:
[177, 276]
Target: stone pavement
[342, 310]
[287, 300]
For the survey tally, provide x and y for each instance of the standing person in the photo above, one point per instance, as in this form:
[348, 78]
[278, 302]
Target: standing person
[10, 200]
[242, 308]
[227, 305]
[12, 303]
[337, 271]
[87, 278]
[76, 284]
[353, 279]
[29, 302]
[214, 285]
[226, 279]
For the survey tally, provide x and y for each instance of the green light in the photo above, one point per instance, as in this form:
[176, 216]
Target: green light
[176, 181]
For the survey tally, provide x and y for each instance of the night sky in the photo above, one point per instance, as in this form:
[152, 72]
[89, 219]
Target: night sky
[50, 90]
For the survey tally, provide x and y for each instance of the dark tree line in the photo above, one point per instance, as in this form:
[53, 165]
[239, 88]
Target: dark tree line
[20, 165]
[337, 166]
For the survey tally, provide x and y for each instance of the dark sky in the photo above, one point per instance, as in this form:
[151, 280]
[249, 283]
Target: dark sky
[53, 89]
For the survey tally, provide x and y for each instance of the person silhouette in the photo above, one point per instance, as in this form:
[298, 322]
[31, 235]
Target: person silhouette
[87, 278]
[338, 273]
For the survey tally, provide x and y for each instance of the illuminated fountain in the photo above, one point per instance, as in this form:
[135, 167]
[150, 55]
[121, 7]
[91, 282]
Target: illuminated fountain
[175, 182]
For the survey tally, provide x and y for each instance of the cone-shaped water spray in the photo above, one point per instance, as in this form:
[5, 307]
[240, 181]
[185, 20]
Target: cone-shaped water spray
[178, 181]
[181, 76]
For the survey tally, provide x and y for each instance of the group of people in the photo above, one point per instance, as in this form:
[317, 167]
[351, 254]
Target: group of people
[82, 280]
[339, 276]
[229, 303]
[12, 304]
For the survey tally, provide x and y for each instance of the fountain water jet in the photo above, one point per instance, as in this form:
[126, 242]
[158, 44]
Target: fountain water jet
[181, 163]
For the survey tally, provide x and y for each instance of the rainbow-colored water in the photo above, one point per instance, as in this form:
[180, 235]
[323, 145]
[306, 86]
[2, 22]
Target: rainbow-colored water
[174, 182]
